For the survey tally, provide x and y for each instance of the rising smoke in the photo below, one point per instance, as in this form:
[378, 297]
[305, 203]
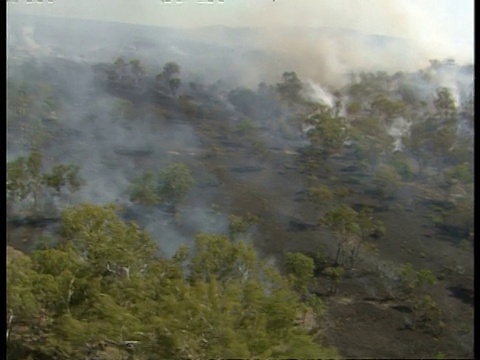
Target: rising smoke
[101, 143]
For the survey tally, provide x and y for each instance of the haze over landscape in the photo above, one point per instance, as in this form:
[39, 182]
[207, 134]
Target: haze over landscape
[315, 157]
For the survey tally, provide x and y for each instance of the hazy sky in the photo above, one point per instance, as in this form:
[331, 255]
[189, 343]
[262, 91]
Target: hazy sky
[433, 23]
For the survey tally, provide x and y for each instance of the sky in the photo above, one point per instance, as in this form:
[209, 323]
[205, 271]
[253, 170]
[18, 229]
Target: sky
[432, 22]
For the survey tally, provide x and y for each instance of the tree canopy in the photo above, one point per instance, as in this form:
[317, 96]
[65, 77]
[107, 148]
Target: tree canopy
[103, 292]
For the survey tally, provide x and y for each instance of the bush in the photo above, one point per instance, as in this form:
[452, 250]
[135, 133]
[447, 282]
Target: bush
[404, 166]
[300, 268]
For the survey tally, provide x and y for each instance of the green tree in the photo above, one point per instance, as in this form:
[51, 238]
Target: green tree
[329, 130]
[335, 274]
[352, 229]
[290, 88]
[244, 100]
[240, 224]
[174, 183]
[174, 84]
[106, 241]
[63, 175]
[103, 291]
[445, 104]
[137, 70]
[319, 195]
[342, 220]
[143, 190]
[387, 108]
[386, 181]
[300, 269]
[25, 179]
[169, 77]
[170, 69]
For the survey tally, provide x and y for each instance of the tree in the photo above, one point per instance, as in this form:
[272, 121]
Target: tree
[240, 224]
[143, 190]
[174, 84]
[244, 100]
[63, 175]
[352, 229]
[120, 69]
[168, 78]
[445, 104]
[103, 239]
[342, 220]
[25, 179]
[329, 130]
[335, 273]
[290, 88]
[386, 181]
[103, 291]
[170, 185]
[300, 269]
[386, 107]
[319, 195]
[174, 183]
[137, 68]
[170, 69]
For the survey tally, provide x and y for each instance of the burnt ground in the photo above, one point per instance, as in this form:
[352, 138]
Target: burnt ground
[362, 320]
[358, 322]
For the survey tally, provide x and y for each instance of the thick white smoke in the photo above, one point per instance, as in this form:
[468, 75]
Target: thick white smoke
[399, 128]
[319, 94]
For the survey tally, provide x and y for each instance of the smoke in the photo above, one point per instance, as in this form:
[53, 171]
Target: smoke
[324, 41]
[105, 143]
[320, 40]
[27, 36]
[399, 129]
[320, 95]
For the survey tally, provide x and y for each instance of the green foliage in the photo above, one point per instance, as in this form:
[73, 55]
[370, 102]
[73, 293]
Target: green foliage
[335, 274]
[174, 183]
[290, 88]
[244, 100]
[412, 279]
[460, 172]
[67, 301]
[168, 79]
[443, 140]
[329, 132]
[63, 175]
[189, 107]
[445, 103]
[342, 220]
[386, 180]
[352, 229]
[387, 107]
[246, 127]
[343, 191]
[354, 108]
[170, 69]
[170, 185]
[240, 224]
[319, 194]
[216, 256]
[143, 190]
[462, 214]
[26, 180]
[300, 269]
[106, 241]
[404, 166]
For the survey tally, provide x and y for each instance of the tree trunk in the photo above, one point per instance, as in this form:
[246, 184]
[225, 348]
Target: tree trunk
[9, 325]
